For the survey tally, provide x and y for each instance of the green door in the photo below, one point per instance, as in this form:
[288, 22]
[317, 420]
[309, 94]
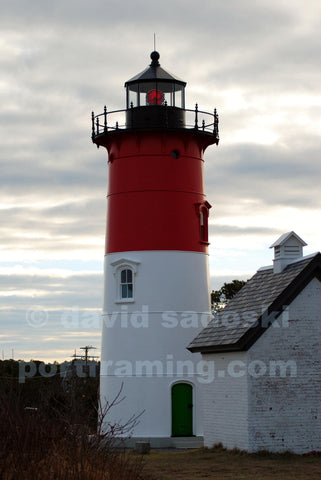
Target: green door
[182, 410]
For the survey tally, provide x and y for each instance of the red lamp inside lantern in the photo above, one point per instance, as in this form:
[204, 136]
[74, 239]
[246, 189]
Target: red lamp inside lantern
[155, 97]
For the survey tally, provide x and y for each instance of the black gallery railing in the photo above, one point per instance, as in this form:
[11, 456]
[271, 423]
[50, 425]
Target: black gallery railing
[116, 120]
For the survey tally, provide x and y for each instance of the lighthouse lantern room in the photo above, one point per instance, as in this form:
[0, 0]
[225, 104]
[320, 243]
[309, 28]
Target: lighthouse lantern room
[156, 280]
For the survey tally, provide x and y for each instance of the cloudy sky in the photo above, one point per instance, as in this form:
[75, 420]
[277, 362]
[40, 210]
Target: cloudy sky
[256, 61]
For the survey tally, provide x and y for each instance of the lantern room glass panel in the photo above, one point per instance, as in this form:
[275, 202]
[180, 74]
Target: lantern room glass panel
[142, 94]
[133, 96]
[151, 93]
[179, 96]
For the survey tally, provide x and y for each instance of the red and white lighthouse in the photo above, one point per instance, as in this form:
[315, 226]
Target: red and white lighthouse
[156, 283]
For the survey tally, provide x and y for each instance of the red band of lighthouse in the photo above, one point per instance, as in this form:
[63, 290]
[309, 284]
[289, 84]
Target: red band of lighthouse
[152, 195]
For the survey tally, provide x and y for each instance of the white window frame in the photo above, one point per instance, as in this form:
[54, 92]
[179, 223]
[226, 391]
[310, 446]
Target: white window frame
[119, 266]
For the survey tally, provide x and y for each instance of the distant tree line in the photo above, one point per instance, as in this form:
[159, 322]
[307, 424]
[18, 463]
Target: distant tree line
[66, 393]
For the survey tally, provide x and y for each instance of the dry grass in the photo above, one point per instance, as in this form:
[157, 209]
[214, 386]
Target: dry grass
[41, 445]
[38, 450]
[218, 463]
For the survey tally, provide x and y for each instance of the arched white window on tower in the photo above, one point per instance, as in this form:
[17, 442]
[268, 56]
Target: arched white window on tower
[125, 271]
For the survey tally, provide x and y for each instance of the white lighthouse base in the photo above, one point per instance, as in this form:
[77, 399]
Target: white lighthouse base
[146, 371]
[145, 403]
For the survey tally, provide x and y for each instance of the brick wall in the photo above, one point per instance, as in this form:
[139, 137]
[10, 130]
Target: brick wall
[225, 402]
[285, 413]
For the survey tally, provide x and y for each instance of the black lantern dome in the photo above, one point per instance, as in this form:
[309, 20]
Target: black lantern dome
[151, 89]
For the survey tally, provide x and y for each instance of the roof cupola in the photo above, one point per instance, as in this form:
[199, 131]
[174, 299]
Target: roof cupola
[287, 248]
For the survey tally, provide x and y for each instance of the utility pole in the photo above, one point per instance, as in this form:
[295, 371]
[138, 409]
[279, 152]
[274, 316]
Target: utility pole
[86, 357]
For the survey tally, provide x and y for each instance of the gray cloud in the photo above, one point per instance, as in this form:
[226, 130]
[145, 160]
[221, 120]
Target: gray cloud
[218, 230]
[270, 175]
[71, 318]
[257, 62]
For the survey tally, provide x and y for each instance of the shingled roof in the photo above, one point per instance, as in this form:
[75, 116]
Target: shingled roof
[256, 306]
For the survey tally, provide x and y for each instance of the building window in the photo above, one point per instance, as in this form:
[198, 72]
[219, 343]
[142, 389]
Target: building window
[202, 226]
[126, 283]
[125, 271]
[203, 214]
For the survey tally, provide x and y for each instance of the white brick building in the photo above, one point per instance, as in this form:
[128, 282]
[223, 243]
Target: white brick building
[266, 349]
